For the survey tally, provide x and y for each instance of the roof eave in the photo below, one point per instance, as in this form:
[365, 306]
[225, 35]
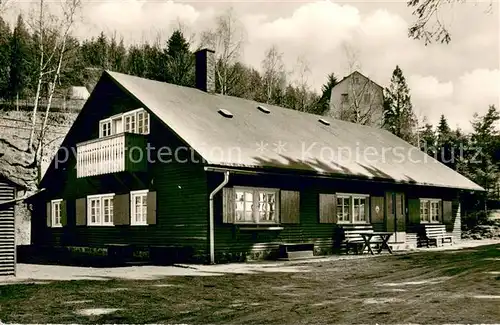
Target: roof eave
[316, 173]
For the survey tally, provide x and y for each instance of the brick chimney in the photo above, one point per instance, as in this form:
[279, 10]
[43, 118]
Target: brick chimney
[205, 70]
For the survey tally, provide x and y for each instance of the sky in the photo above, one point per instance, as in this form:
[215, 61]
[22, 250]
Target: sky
[456, 79]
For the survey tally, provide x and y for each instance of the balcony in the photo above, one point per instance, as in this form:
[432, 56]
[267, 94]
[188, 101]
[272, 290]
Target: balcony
[112, 154]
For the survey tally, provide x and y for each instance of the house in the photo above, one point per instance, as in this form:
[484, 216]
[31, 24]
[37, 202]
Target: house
[357, 98]
[151, 164]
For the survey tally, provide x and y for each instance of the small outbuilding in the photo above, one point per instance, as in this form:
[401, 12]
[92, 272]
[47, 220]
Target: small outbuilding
[7, 226]
[78, 93]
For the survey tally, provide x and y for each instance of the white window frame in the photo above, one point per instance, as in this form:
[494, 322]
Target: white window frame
[53, 215]
[255, 212]
[135, 114]
[133, 212]
[102, 132]
[99, 198]
[348, 208]
[429, 202]
[351, 197]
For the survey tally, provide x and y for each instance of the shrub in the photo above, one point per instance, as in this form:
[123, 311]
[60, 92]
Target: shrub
[474, 219]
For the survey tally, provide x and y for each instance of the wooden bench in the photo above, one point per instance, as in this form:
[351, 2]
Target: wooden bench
[296, 250]
[433, 234]
[351, 238]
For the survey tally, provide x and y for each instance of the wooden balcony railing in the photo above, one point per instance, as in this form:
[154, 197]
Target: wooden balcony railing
[110, 154]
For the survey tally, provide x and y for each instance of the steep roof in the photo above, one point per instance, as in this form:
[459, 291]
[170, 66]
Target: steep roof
[358, 73]
[285, 138]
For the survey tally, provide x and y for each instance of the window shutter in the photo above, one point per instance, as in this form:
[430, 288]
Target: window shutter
[151, 208]
[64, 213]
[49, 214]
[228, 205]
[377, 216]
[327, 208]
[121, 209]
[389, 205]
[414, 211]
[290, 206]
[400, 212]
[448, 215]
[81, 212]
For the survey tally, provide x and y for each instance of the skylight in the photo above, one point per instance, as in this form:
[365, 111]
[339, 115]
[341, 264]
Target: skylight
[263, 109]
[225, 113]
[325, 122]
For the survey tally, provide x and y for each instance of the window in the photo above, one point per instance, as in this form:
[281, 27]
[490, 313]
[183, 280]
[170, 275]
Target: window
[434, 211]
[100, 210]
[352, 208]
[430, 210]
[256, 206]
[366, 98]
[343, 208]
[139, 208]
[105, 128]
[136, 121]
[56, 213]
[130, 123]
[142, 122]
[355, 80]
[345, 98]
[244, 206]
[359, 209]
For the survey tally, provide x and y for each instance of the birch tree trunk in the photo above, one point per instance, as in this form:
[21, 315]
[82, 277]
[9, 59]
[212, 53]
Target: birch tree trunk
[74, 4]
[39, 152]
[39, 82]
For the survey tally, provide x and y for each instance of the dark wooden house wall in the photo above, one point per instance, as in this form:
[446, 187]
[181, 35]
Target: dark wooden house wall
[7, 229]
[181, 189]
[232, 241]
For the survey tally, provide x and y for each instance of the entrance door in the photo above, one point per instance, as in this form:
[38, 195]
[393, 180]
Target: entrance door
[117, 125]
[396, 212]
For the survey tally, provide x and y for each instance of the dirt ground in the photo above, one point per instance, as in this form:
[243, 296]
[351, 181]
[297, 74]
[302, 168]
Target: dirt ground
[27, 273]
[447, 286]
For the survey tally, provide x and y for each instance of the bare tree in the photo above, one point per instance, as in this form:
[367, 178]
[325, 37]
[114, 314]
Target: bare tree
[302, 72]
[273, 73]
[227, 40]
[53, 33]
[69, 10]
[429, 24]
[4, 4]
[362, 100]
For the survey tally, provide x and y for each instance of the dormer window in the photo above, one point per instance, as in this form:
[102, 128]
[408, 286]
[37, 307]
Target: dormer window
[130, 123]
[105, 128]
[142, 122]
[136, 121]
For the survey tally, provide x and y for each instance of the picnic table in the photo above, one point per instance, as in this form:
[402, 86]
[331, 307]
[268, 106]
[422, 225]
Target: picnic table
[368, 240]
